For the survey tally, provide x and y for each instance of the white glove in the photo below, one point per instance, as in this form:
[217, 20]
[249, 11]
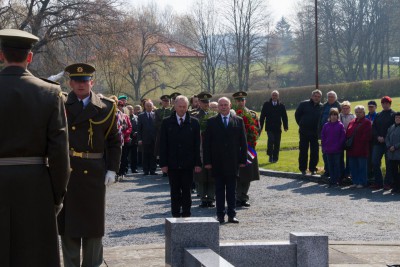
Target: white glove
[110, 177]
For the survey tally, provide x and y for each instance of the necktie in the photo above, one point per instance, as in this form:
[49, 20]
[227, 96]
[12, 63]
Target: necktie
[148, 116]
[180, 122]
[226, 121]
[81, 104]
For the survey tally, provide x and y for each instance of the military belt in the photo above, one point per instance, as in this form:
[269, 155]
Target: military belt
[85, 155]
[23, 161]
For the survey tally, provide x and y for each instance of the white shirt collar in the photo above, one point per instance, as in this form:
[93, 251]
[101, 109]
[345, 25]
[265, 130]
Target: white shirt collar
[178, 118]
[85, 101]
[222, 116]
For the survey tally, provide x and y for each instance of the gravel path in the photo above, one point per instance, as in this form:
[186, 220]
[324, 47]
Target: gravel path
[137, 207]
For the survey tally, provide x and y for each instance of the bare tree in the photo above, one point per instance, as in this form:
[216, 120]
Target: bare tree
[246, 19]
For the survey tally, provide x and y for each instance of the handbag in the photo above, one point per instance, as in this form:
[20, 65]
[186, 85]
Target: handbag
[350, 140]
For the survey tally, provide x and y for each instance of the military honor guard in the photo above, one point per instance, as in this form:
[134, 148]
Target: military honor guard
[34, 161]
[95, 152]
[204, 181]
[173, 97]
[251, 171]
[160, 114]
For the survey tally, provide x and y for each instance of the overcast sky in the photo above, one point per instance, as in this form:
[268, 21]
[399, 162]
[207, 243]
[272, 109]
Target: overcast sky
[278, 7]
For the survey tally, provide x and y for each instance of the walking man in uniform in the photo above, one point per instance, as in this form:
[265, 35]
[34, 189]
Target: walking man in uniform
[95, 153]
[250, 172]
[34, 161]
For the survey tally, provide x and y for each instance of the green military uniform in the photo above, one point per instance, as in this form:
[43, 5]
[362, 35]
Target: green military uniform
[34, 161]
[204, 181]
[251, 171]
[95, 148]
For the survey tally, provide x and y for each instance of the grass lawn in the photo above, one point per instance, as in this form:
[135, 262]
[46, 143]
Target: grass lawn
[288, 157]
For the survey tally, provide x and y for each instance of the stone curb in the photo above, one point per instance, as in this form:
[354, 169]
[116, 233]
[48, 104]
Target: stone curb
[292, 175]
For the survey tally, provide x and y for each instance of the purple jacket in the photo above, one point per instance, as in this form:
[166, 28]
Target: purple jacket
[333, 136]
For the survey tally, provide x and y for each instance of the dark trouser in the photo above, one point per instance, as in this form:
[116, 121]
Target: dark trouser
[378, 152]
[395, 165]
[206, 186]
[308, 141]
[227, 183]
[334, 167]
[149, 160]
[92, 251]
[274, 144]
[242, 190]
[180, 182]
[326, 164]
[123, 167]
[134, 157]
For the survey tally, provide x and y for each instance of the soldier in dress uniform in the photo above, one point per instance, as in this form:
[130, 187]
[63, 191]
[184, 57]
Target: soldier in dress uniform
[95, 153]
[251, 171]
[160, 114]
[173, 97]
[204, 181]
[34, 161]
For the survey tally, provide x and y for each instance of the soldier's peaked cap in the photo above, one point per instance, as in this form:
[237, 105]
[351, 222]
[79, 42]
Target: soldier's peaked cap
[164, 97]
[174, 95]
[80, 71]
[13, 38]
[204, 97]
[239, 95]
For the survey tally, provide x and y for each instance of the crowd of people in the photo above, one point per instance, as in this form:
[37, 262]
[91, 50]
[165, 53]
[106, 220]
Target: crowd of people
[352, 144]
[54, 176]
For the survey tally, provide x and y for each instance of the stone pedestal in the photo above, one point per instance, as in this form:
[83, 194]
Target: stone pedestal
[181, 233]
[312, 249]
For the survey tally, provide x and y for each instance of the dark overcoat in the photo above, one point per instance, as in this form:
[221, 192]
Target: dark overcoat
[180, 145]
[225, 148]
[84, 203]
[33, 124]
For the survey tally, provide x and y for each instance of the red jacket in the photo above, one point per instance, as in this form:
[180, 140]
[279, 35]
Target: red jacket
[126, 128]
[362, 137]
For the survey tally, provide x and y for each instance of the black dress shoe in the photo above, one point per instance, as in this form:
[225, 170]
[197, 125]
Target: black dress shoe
[210, 205]
[245, 204]
[203, 204]
[135, 171]
[233, 220]
[221, 220]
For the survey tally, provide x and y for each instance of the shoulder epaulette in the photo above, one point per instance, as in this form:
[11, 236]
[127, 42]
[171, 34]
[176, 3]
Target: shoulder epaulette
[49, 81]
[107, 99]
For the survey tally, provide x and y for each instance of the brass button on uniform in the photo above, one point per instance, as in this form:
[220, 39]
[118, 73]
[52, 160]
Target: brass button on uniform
[73, 128]
[72, 169]
[85, 171]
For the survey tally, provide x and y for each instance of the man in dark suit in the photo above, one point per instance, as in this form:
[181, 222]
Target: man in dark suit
[273, 114]
[133, 146]
[34, 161]
[147, 138]
[95, 153]
[225, 150]
[180, 155]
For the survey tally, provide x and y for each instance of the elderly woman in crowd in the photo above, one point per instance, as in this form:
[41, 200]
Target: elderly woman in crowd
[392, 141]
[345, 117]
[332, 139]
[360, 129]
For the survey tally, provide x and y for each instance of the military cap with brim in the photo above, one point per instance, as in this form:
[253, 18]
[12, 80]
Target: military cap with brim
[174, 95]
[204, 97]
[80, 71]
[13, 38]
[239, 95]
[164, 97]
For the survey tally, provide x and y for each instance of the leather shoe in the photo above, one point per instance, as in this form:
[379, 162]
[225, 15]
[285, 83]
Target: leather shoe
[135, 171]
[245, 204]
[233, 220]
[221, 220]
[210, 205]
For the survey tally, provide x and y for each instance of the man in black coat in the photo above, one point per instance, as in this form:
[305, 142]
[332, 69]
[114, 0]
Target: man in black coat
[134, 143]
[147, 138]
[307, 117]
[180, 155]
[225, 150]
[273, 113]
